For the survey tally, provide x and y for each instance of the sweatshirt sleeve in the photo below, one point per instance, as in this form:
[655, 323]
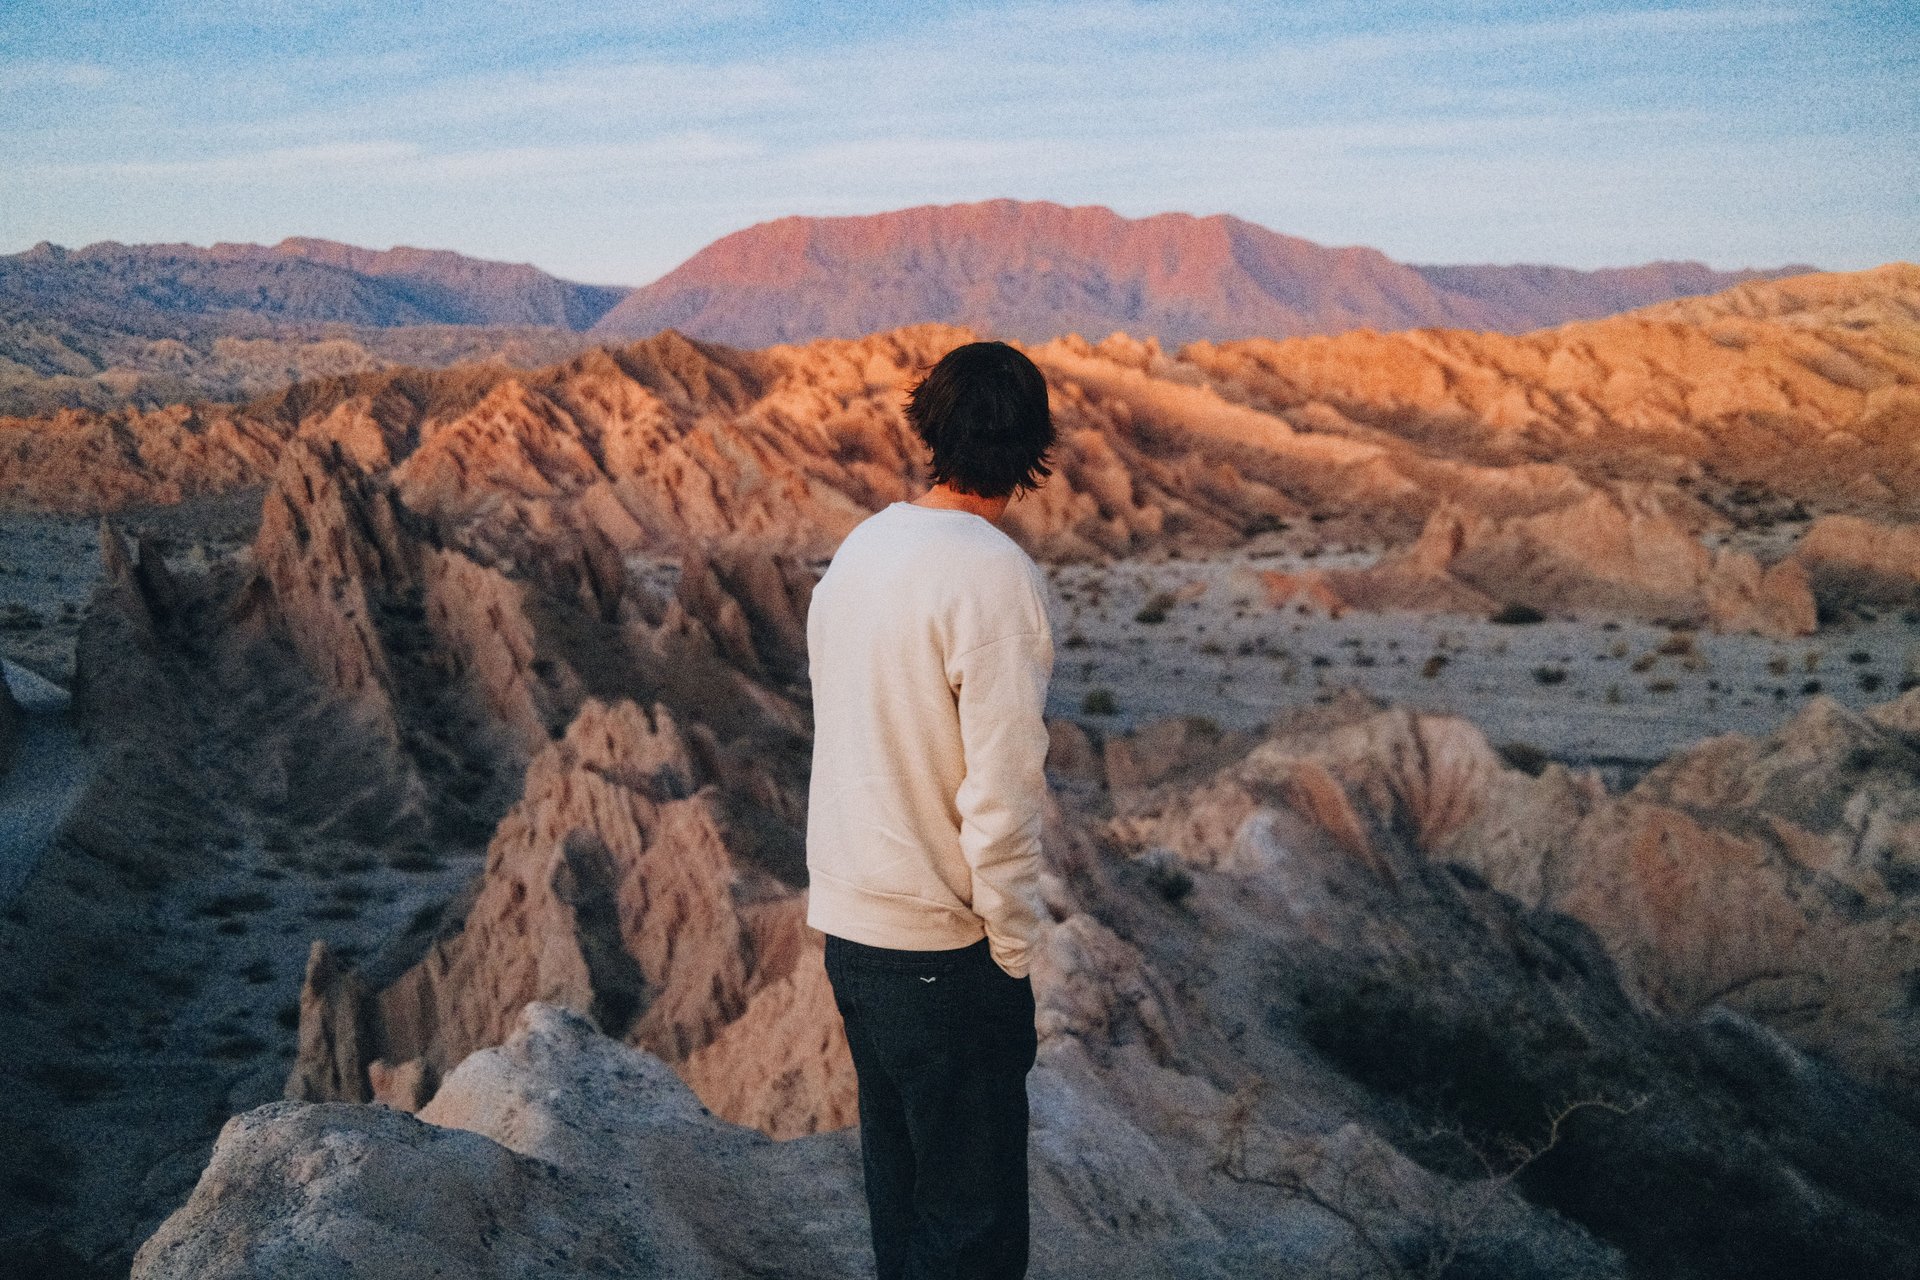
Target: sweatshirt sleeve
[1001, 688]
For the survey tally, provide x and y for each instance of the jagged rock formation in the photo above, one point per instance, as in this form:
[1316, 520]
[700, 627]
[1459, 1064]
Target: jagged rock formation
[617, 864]
[1269, 1015]
[1607, 555]
[1778, 877]
[1034, 270]
[1814, 405]
[1513, 455]
[1880, 297]
[662, 749]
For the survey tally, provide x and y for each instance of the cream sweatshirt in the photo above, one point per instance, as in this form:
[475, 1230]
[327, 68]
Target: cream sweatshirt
[930, 648]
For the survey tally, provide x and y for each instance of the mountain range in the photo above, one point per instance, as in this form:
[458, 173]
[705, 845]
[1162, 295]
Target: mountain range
[151, 324]
[1036, 270]
[299, 279]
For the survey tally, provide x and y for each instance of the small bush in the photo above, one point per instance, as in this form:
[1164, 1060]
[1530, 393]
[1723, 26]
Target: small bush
[1433, 666]
[1661, 686]
[1678, 645]
[1074, 640]
[1156, 608]
[1517, 615]
[1549, 675]
[1099, 702]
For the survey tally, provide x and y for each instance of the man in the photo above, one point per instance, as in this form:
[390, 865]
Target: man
[930, 651]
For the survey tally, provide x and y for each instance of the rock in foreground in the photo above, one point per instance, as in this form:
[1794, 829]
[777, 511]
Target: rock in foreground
[563, 1152]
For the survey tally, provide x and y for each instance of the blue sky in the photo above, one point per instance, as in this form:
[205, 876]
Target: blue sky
[609, 145]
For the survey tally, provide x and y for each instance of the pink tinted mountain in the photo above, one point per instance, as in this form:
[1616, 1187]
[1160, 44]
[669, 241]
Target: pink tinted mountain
[1030, 270]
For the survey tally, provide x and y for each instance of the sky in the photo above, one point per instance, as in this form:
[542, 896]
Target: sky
[608, 143]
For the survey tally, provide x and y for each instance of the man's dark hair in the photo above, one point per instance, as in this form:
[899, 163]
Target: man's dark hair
[983, 412]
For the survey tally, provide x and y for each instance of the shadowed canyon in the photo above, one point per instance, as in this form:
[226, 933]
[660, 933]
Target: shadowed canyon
[1483, 837]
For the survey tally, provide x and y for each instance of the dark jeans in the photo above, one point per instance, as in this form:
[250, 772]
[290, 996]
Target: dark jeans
[942, 1042]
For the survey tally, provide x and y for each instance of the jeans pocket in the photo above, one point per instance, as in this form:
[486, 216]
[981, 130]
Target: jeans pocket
[910, 1016]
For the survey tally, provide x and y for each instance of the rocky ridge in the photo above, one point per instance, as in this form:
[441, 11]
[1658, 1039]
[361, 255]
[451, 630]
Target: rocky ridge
[1487, 467]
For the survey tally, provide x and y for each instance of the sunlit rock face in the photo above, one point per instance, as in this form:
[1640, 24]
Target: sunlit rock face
[612, 889]
[1633, 437]
[1605, 556]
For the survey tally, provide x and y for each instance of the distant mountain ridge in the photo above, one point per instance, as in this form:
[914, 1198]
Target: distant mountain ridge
[1034, 270]
[114, 324]
[298, 280]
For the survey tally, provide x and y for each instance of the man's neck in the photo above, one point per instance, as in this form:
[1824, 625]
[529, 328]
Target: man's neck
[942, 496]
